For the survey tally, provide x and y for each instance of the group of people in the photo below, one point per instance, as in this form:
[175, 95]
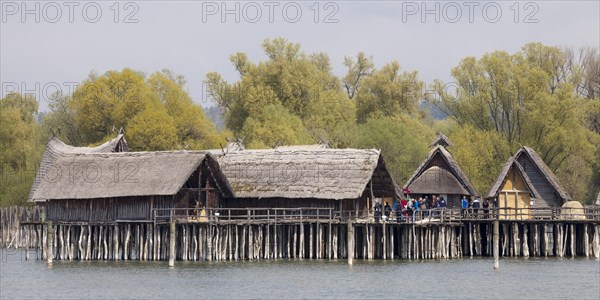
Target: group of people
[470, 208]
[407, 209]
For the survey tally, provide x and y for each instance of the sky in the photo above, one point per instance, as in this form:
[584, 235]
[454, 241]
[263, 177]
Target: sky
[52, 45]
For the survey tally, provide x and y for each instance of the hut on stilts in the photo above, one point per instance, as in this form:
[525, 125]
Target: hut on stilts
[527, 187]
[105, 203]
[440, 174]
[308, 177]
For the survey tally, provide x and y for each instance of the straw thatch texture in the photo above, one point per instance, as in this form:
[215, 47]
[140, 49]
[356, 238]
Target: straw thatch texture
[510, 164]
[108, 175]
[436, 180]
[304, 147]
[543, 172]
[440, 157]
[303, 173]
[56, 148]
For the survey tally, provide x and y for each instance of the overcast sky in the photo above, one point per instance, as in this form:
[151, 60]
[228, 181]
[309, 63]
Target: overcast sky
[46, 45]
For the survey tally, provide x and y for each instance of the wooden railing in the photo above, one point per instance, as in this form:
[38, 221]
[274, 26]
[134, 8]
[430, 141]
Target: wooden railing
[308, 214]
[244, 214]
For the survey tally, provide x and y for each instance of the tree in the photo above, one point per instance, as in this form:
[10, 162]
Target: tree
[357, 71]
[403, 142]
[480, 154]
[301, 84]
[275, 126]
[152, 129]
[388, 92]
[528, 98]
[18, 148]
[129, 100]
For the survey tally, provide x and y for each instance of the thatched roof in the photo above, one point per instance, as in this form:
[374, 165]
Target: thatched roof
[511, 164]
[436, 180]
[545, 170]
[56, 148]
[441, 158]
[441, 140]
[306, 173]
[304, 147]
[93, 175]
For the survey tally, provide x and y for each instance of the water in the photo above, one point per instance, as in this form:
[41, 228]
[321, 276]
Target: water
[466, 278]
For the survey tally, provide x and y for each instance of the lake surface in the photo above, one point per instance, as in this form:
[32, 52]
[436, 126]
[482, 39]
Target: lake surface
[467, 278]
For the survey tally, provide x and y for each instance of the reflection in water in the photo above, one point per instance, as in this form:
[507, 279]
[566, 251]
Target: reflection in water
[466, 278]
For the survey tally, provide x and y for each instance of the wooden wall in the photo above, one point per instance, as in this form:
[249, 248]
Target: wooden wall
[105, 210]
[549, 198]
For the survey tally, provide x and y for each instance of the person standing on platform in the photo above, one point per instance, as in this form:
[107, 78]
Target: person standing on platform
[464, 204]
[387, 210]
[486, 209]
[476, 206]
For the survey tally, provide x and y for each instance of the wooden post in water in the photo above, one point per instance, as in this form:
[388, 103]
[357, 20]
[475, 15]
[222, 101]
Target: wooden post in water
[350, 240]
[496, 245]
[172, 244]
[50, 240]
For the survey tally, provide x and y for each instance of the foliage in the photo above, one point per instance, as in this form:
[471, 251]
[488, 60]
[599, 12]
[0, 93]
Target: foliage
[480, 154]
[157, 108]
[403, 142]
[388, 92]
[290, 80]
[527, 98]
[18, 147]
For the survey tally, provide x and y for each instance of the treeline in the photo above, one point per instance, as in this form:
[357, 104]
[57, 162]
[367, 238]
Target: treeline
[544, 97]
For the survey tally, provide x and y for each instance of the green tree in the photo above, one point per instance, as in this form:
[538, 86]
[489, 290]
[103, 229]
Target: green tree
[18, 147]
[480, 154]
[301, 84]
[152, 129]
[403, 142]
[388, 92]
[129, 100]
[528, 98]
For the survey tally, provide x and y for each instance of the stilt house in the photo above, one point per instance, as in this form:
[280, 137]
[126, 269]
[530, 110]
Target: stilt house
[440, 175]
[526, 182]
[307, 177]
[91, 186]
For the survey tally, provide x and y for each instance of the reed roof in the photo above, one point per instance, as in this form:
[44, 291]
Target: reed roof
[306, 172]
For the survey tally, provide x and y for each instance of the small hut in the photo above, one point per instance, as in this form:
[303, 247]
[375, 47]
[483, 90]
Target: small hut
[551, 193]
[527, 182]
[440, 175]
[127, 186]
[307, 177]
[513, 191]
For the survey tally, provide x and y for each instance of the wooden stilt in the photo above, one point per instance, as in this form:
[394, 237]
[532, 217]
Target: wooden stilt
[496, 245]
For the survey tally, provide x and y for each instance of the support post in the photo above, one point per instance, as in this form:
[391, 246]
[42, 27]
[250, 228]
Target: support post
[50, 240]
[172, 244]
[350, 243]
[496, 245]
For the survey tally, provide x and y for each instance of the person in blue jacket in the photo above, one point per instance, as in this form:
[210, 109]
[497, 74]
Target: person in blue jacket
[464, 204]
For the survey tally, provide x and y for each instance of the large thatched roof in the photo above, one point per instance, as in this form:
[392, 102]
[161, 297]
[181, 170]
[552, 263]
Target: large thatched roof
[306, 173]
[512, 163]
[544, 169]
[95, 175]
[436, 181]
[56, 148]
